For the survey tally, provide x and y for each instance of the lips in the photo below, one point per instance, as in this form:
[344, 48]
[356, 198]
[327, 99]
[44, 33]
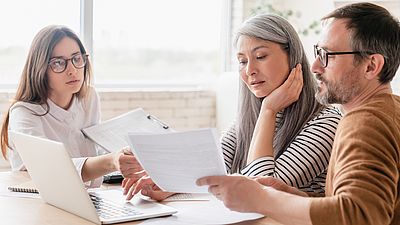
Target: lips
[73, 82]
[256, 82]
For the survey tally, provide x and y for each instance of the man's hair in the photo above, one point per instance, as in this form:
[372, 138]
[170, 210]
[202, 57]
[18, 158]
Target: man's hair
[373, 30]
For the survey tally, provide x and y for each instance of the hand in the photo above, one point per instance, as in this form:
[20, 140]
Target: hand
[130, 183]
[147, 188]
[279, 185]
[234, 192]
[287, 93]
[127, 163]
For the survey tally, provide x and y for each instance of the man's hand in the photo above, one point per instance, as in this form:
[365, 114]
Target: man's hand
[238, 193]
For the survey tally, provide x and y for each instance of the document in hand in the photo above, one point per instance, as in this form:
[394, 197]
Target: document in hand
[176, 160]
[111, 134]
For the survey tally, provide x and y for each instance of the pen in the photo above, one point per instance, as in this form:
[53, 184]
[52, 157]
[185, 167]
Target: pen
[155, 119]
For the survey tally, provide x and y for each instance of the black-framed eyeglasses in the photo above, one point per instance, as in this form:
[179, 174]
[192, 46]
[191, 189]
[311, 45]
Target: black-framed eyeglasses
[322, 54]
[59, 64]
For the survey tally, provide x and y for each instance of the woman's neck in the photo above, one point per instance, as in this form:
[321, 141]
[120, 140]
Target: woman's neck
[62, 101]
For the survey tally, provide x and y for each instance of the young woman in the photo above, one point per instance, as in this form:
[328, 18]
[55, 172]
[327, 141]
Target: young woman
[280, 130]
[54, 100]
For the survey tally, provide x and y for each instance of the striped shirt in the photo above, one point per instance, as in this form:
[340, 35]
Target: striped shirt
[304, 163]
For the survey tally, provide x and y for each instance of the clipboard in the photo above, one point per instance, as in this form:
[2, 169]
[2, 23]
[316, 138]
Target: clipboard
[112, 134]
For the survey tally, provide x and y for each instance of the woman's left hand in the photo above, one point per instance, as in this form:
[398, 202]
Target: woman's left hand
[287, 93]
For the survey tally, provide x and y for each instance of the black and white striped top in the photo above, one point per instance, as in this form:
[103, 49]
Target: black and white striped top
[304, 163]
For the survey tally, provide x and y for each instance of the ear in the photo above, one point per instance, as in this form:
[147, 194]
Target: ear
[374, 66]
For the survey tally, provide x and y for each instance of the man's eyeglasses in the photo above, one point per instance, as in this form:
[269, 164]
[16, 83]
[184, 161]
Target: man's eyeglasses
[58, 65]
[322, 54]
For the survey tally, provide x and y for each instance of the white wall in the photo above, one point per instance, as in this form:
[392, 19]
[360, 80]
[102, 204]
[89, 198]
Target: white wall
[227, 90]
[182, 109]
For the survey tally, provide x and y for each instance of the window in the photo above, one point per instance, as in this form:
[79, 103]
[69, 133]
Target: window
[156, 41]
[393, 6]
[302, 17]
[21, 20]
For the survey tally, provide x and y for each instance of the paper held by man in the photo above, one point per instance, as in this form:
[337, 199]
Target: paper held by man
[176, 160]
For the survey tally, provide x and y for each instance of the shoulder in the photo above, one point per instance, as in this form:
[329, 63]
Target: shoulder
[330, 114]
[383, 107]
[373, 126]
[25, 108]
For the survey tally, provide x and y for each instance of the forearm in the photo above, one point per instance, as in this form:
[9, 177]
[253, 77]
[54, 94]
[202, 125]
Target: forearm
[262, 141]
[286, 208]
[97, 166]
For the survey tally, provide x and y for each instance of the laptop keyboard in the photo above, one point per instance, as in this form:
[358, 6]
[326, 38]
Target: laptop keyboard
[108, 209]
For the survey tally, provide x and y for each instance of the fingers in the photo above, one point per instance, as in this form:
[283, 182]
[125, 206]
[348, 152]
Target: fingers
[128, 184]
[128, 165]
[267, 181]
[127, 150]
[133, 173]
[294, 82]
[157, 195]
[210, 180]
[140, 184]
[213, 189]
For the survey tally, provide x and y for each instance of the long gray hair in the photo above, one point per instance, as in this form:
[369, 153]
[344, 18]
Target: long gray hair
[275, 29]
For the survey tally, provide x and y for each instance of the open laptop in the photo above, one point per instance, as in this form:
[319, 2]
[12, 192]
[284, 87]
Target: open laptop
[59, 184]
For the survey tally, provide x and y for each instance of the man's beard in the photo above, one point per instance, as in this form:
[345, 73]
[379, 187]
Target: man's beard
[338, 93]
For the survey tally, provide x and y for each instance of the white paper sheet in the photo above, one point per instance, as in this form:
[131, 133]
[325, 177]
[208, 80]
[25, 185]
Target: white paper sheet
[176, 160]
[202, 212]
[111, 134]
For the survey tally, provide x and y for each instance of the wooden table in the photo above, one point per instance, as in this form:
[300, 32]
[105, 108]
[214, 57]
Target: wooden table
[30, 211]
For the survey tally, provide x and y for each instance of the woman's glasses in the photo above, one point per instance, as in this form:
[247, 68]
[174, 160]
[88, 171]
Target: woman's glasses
[58, 65]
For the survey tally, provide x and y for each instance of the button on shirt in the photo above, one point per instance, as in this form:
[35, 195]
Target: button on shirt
[58, 125]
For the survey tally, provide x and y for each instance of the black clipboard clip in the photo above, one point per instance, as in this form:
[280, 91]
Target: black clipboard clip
[155, 119]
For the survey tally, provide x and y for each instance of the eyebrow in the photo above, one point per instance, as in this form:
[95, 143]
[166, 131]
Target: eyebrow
[77, 52]
[255, 49]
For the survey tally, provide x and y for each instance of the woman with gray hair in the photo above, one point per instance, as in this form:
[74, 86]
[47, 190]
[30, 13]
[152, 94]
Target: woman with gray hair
[280, 130]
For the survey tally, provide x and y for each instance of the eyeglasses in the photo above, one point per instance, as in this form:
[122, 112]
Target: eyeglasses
[322, 54]
[58, 65]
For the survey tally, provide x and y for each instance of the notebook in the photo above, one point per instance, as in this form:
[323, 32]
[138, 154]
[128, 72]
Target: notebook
[27, 187]
[59, 184]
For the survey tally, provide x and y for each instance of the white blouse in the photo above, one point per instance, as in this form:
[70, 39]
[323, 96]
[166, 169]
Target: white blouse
[58, 125]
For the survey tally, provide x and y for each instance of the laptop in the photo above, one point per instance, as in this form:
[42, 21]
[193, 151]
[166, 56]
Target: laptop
[60, 185]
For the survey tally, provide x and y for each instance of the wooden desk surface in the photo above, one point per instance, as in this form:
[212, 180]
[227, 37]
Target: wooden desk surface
[26, 211]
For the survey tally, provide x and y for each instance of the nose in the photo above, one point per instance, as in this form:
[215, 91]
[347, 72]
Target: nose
[71, 69]
[316, 66]
[251, 68]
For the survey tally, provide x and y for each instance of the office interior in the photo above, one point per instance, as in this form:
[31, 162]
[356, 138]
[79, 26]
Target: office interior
[175, 59]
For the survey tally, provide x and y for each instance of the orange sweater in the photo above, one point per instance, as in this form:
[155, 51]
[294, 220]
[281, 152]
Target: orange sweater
[362, 185]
